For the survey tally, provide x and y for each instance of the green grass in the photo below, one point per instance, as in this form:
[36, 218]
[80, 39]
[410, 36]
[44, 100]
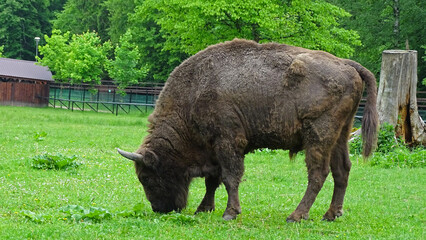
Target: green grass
[102, 198]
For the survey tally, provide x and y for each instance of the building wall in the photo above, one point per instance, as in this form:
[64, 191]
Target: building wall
[24, 93]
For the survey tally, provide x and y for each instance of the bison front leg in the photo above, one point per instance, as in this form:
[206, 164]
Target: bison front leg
[207, 205]
[317, 162]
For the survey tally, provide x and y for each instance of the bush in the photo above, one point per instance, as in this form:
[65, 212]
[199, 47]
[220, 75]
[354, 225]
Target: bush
[58, 161]
[391, 152]
[386, 141]
[400, 157]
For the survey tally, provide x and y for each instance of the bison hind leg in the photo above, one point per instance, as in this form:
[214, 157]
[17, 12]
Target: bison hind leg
[340, 167]
[317, 162]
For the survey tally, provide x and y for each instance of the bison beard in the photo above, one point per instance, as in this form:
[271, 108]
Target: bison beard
[234, 97]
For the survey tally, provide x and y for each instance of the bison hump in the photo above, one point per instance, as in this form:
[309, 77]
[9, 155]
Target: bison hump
[297, 72]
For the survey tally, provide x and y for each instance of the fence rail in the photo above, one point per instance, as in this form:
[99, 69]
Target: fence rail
[421, 106]
[104, 98]
[107, 98]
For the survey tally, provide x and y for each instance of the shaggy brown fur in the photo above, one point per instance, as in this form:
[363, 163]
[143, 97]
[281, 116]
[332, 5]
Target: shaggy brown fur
[239, 96]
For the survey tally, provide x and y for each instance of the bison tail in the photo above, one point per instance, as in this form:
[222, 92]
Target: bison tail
[370, 119]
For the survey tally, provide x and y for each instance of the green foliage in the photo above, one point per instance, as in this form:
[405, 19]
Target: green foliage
[40, 136]
[37, 218]
[424, 60]
[80, 16]
[386, 141]
[75, 59]
[55, 53]
[400, 157]
[78, 213]
[126, 68]
[86, 58]
[54, 161]
[391, 152]
[190, 26]
[176, 29]
[1, 51]
[150, 40]
[137, 211]
[118, 13]
[178, 218]
[21, 21]
[375, 22]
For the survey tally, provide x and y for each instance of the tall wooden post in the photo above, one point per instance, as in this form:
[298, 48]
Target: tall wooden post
[397, 102]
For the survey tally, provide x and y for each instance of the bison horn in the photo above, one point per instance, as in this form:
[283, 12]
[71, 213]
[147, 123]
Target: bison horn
[132, 156]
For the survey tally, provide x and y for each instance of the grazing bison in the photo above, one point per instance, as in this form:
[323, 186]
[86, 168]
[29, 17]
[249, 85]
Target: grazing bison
[237, 96]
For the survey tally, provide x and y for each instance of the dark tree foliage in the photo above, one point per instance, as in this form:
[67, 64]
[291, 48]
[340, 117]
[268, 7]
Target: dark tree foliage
[386, 24]
[118, 14]
[20, 22]
[168, 31]
[80, 16]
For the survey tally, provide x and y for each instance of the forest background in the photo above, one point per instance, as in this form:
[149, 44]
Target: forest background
[144, 40]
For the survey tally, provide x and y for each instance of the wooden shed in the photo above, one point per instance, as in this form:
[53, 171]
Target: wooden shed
[23, 83]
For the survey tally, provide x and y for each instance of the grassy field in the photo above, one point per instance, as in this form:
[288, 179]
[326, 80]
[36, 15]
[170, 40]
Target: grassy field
[102, 198]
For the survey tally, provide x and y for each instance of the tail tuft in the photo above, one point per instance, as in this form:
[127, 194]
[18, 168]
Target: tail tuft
[370, 119]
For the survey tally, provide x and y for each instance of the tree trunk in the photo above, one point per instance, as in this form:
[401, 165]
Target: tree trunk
[396, 22]
[397, 102]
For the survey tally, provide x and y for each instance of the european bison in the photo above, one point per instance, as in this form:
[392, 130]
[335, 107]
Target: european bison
[237, 96]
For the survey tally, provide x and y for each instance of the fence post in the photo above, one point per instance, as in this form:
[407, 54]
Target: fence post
[113, 100]
[69, 96]
[130, 99]
[146, 99]
[84, 96]
[54, 99]
[97, 102]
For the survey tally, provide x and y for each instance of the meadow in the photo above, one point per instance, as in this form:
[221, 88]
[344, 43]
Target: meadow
[99, 196]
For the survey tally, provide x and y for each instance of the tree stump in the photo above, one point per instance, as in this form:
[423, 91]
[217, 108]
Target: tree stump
[396, 101]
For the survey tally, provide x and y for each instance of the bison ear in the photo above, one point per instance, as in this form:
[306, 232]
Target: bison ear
[151, 159]
[132, 156]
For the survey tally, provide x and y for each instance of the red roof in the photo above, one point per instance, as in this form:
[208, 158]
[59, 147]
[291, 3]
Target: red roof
[23, 70]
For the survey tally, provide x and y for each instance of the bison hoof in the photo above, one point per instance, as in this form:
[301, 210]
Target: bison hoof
[231, 213]
[297, 217]
[204, 209]
[228, 217]
[331, 215]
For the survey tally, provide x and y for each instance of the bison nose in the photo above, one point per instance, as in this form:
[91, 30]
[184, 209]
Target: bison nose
[164, 209]
[160, 209]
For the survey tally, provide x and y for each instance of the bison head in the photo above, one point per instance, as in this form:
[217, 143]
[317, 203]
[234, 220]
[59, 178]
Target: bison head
[165, 186]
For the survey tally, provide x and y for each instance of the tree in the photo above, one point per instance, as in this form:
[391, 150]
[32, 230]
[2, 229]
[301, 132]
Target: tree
[180, 28]
[76, 59]
[126, 68]
[20, 22]
[1, 51]
[80, 16]
[424, 60]
[385, 24]
[118, 12]
[55, 53]
[146, 34]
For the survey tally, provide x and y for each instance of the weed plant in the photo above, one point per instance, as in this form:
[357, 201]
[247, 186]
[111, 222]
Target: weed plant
[54, 161]
[103, 199]
[391, 151]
